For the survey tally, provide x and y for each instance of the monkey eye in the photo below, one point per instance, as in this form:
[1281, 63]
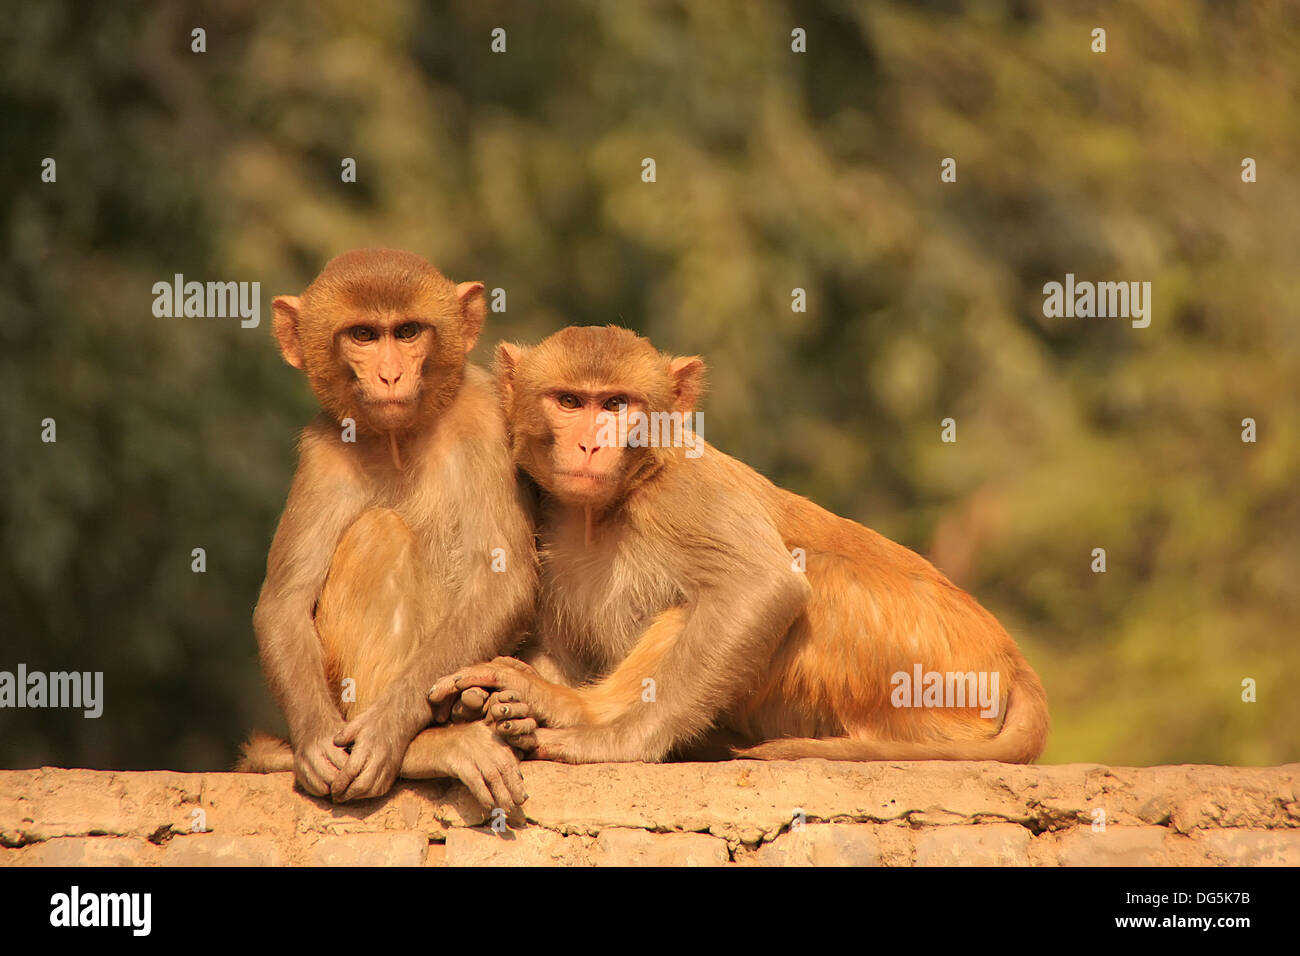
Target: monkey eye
[616, 404]
[569, 401]
[362, 333]
[408, 330]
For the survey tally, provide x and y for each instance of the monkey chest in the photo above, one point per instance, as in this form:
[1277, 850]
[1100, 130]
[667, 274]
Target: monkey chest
[432, 504]
[595, 605]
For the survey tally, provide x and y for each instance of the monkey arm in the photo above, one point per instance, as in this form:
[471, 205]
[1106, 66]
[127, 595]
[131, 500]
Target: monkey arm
[697, 659]
[741, 596]
[292, 659]
[319, 509]
[690, 666]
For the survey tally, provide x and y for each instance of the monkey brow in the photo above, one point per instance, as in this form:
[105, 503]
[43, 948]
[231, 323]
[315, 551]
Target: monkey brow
[387, 320]
[593, 391]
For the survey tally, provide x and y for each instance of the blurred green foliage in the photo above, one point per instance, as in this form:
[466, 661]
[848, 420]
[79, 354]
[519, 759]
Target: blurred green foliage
[775, 170]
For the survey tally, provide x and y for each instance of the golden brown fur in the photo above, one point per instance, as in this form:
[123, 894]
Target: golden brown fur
[680, 570]
[402, 554]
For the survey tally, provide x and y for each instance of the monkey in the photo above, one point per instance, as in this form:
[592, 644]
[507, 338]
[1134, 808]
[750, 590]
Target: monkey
[405, 548]
[685, 601]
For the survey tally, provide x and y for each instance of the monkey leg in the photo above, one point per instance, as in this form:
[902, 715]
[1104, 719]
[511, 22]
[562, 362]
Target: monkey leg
[370, 612]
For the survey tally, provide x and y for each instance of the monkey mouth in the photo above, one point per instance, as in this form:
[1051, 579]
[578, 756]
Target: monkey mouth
[596, 476]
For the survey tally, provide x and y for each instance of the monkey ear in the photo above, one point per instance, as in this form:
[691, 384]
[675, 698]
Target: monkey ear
[688, 381]
[473, 310]
[284, 323]
[506, 361]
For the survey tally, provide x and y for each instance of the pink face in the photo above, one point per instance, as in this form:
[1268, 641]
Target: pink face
[588, 460]
[387, 357]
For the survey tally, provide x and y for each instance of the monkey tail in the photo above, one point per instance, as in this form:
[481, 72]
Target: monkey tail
[262, 753]
[1021, 739]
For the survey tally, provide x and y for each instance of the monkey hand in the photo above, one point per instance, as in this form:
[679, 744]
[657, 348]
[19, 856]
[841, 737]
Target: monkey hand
[487, 767]
[376, 745]
[511, 720]
[316, 759]
[517, 687]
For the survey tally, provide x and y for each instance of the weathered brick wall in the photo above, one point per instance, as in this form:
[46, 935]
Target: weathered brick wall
[738, 813]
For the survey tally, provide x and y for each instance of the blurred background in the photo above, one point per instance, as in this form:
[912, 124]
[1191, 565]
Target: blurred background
[775, 170]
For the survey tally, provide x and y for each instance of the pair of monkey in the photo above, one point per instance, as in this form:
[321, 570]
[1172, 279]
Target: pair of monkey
[666, 617]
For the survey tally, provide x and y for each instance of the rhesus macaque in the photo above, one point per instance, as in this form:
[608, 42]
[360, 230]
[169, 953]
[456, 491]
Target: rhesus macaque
[686, 601]
[405, 549]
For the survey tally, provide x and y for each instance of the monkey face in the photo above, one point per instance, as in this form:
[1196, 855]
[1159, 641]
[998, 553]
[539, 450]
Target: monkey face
[382, 336]
[387, 359]
[583, 405]
[589, 453]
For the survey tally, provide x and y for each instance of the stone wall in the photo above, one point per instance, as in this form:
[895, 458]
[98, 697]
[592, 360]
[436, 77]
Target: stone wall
[743, 813]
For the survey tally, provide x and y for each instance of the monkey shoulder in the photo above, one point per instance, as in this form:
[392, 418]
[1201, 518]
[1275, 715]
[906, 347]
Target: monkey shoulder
[470, 437]
[714, 485]
[714, 504]
[474, 425]
[482, 397]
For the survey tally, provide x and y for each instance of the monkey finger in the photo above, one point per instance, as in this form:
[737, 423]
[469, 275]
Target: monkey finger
[470, 706]
[492, 678]
[442, 689]
[442, 711]
[317, 766]
[366, 783]
[505, 711]
[347, 774]
[380, 782]
[332, 760]
[514, 780]
[348, 735]
[501, 697]
[313, 782]
[481, 676]
[318, 761]
[502, 792]
[518, 727]
[459, 714]
[476, 785]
